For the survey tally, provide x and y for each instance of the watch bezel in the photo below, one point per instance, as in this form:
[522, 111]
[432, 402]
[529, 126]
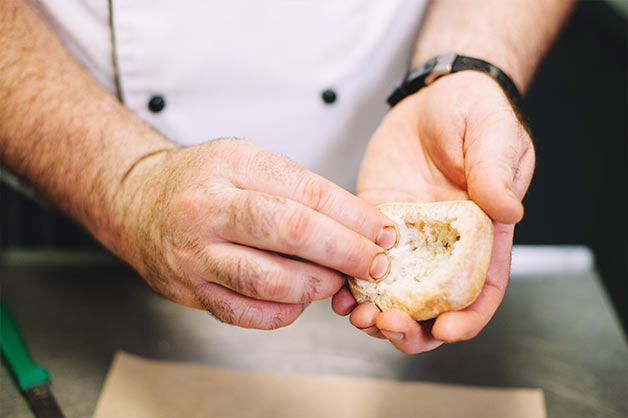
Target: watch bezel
[442, 66]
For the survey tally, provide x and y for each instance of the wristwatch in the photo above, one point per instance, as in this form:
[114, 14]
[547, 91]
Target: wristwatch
[434, 68]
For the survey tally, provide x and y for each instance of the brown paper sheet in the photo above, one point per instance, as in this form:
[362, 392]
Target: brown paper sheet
[136, 387]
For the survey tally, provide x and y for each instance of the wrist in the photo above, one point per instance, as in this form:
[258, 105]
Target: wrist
[506, 62]
[137, 189]
[446, 65]
[513, 35]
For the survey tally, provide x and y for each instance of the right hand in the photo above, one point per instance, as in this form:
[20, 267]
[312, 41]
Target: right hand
[209, 227]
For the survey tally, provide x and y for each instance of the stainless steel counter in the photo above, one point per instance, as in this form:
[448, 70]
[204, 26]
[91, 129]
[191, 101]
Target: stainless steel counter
[556, 333]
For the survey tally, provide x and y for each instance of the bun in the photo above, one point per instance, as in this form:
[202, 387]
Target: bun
[440, 262]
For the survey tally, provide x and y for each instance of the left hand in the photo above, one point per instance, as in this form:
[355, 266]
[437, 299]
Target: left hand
[459, 138]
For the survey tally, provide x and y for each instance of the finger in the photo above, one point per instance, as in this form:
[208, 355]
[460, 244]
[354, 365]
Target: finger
[467, 323]
[278, 176]
[343, 302]
[407, 335]
[232, 308]
[495, 149]
[273, 223]
[364, 317]
[373, 332]
[523, 176]
[263, 275]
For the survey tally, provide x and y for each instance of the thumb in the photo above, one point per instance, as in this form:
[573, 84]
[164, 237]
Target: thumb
[499, 162]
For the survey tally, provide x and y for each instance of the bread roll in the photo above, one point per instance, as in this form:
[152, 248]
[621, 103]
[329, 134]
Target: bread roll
[440, 262]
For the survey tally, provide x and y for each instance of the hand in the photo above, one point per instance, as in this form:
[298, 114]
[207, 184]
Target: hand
[459, 138]
[210, 227]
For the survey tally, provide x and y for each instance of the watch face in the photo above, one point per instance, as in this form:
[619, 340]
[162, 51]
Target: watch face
[422, 69]
[429, 65]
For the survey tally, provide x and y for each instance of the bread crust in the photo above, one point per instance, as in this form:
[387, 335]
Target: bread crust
[439, 263]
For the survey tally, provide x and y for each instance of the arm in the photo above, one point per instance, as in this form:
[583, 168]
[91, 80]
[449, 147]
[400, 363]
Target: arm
[61, 131]
[514, 34]
[459, 138]
[203, 225]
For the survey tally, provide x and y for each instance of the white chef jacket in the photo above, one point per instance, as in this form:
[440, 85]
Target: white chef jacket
[254, 69]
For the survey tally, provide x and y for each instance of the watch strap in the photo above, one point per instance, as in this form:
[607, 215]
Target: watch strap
[475, 64]
[450, 63]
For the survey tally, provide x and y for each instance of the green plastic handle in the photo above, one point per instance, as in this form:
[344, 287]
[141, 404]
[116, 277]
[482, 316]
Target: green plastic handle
[26, 372]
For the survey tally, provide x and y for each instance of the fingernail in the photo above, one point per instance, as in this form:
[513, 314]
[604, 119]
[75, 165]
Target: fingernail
[388, 237]
[392, 336]
[380, 266]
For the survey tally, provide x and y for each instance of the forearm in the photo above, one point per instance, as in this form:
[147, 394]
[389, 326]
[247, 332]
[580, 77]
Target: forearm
[61, 131]
[512, 34]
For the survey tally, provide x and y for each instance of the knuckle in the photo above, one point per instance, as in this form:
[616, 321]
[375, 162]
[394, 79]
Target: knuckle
[238, 213]
[223, 311]
[189, 203]
[272, 164]
[256, 215]
[251, 316]
[182, 257]
[294, 230]
[241, 215]
[228, 154]
[193, 209]
[164, 285]
[527, 147]
[267, 318]
[218, 307]
[274, 285]
[315, 288]
[313, 191]
[372, 331]
[243, 276]
[284, 316]
[508, 167]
